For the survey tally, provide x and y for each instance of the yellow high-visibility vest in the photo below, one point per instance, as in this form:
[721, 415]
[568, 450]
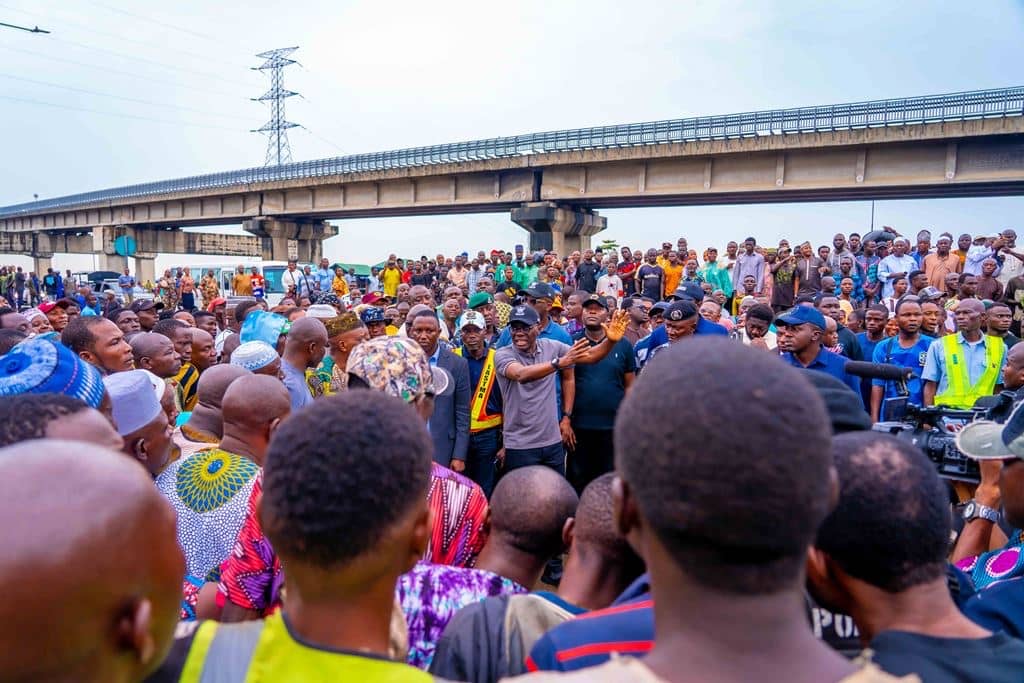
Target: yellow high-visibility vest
[479, 419]
[959, 392]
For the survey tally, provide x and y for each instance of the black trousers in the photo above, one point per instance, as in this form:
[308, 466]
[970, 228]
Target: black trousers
[552, 456]
[480, 465]
[594, 456]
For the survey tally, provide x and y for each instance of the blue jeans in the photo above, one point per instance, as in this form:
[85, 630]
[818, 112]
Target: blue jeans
[552, 456]
[480, 465]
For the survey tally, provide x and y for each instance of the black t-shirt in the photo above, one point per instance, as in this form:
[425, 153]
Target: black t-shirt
[601, 386]
[586, 276]
[650, 281]
[425, 279]
[996, 659]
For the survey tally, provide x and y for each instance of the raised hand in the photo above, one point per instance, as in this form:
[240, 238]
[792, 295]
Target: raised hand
[575, 354]
[616, 328]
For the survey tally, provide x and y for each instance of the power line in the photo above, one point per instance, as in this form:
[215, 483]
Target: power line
[165, 65]
[119, 114]
[108, 69]
[205, 112]
[197, 34]
[34, 29]
[89, 29]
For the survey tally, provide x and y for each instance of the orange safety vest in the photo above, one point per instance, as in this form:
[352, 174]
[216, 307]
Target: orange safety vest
[479, 419]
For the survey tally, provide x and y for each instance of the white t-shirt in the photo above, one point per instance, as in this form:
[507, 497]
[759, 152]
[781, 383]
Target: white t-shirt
[610, 285]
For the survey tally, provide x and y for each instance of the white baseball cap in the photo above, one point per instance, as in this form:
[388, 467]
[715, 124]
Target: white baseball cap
[474, 318]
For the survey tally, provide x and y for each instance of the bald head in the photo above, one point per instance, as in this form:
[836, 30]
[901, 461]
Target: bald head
[64, 501]
[536, 528]
[306, 331]
[974, 305]
[156, 353]
[215, 381]
[253, 408]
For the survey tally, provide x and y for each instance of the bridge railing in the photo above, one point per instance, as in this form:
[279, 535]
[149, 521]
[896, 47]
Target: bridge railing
[895, 112]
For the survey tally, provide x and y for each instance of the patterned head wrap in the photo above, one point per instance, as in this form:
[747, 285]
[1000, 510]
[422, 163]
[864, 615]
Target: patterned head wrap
[38, 366]
[33, 313]
[264, 326]
[329, 298]
[346, 322]
[254, 355]
[394, 365]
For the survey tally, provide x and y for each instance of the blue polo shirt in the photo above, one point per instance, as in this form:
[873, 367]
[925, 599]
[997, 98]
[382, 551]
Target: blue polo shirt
[626, 627]
[829, 363]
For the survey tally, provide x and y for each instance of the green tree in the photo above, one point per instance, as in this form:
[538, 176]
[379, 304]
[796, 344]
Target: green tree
[609, 245]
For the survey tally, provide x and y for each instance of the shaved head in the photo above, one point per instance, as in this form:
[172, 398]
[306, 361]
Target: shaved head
[971, 305]
[65, 501]
[215, 381]
[535, 528]
[306, 331]
[253, 408]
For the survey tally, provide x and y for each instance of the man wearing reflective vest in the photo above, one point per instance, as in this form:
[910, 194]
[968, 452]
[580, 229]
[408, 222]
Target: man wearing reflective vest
[963, 367]
[485, 447]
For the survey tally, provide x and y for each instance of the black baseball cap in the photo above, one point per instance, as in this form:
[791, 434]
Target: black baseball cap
[680, 310]
[146, 304]
[596, 299]
[689, 290]
[540, 290]
[523, 314]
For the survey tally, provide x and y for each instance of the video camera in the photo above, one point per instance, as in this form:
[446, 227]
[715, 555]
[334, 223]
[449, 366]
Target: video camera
[933, 429]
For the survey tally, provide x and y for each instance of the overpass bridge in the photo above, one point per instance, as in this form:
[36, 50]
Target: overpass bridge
[953, 145]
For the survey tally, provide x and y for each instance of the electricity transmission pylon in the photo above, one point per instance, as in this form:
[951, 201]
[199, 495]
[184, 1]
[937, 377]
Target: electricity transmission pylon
[276, 129]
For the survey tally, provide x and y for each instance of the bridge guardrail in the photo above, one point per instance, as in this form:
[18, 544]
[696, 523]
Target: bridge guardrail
[894, 112]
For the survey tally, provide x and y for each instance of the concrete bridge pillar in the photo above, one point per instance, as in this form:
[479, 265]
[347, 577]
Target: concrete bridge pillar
[103, 237]
[283, 240]
[42, 253]
[562, 229]
[145, 267]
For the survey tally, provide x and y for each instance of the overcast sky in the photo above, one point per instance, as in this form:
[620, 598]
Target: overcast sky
[379, 75]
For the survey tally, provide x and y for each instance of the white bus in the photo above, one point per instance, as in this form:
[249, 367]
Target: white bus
[224, 272]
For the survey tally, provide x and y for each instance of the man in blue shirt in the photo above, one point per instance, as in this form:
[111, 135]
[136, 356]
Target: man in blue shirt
[799, 333]
[687, 291]
[908, 349]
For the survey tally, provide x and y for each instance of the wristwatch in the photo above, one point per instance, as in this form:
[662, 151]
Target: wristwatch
[554, 364]
[975, 510]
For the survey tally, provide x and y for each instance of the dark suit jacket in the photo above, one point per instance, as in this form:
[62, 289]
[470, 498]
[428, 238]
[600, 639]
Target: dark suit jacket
[449, 425]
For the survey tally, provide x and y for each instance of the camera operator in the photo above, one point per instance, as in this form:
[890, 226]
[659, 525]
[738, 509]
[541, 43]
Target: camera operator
[995, 563]
[962, 368]
[908, 349]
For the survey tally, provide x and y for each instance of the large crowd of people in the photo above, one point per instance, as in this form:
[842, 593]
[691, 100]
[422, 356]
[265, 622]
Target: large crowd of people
[610, 465]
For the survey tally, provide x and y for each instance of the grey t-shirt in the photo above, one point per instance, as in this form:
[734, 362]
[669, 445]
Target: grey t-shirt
[530, 416]
[295, 383]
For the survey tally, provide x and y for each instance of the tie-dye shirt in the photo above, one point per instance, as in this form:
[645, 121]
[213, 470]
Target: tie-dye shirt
[431, 594]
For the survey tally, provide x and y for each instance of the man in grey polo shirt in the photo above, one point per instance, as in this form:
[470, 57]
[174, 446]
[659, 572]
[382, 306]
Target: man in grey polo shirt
[533, 434]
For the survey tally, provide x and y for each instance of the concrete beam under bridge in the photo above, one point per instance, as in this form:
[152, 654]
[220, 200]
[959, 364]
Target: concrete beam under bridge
[562, 229]
[283, 240]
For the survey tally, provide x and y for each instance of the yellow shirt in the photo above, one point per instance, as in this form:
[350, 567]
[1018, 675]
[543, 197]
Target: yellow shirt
[391, 278]
[673, 274]
[242, 284]
[339, 286]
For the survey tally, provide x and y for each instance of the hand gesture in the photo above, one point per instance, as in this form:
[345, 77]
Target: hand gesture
[568, 436]
[759, 343]
[616, 328]
[575, 354]
[458, 466]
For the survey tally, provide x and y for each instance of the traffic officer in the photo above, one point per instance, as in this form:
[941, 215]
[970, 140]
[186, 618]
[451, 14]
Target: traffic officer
[485, 451]
[963, 367]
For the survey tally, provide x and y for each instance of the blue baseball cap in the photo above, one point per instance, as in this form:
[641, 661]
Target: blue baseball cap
[800, 315]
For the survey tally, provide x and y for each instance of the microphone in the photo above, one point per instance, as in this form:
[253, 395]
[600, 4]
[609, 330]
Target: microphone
[885, 371]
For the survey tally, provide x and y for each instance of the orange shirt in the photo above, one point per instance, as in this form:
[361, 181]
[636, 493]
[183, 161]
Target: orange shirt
[937, 268]
[673, 274]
